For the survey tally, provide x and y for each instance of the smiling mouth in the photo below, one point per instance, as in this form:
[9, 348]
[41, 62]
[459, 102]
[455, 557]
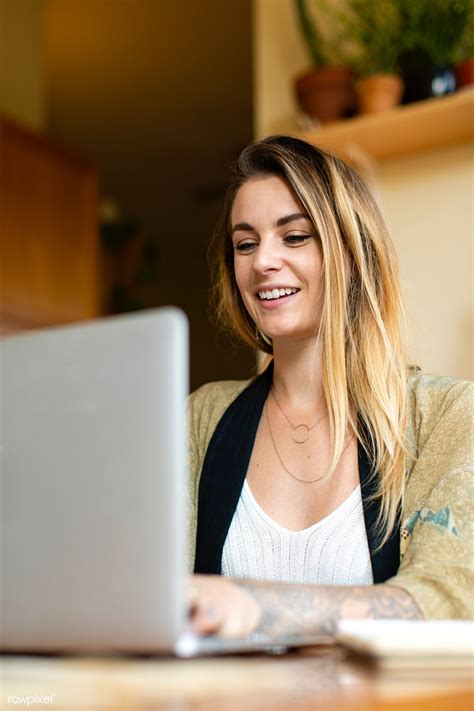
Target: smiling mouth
[276, 293]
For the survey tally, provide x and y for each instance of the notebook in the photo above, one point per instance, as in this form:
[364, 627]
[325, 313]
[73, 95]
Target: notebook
[412, 644]
[93, 441]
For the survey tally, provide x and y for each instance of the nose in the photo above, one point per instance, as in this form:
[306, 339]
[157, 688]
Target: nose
[267, 258]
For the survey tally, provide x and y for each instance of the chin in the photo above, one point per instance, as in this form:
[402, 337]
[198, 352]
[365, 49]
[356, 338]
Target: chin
[290, 334]
[284, 335]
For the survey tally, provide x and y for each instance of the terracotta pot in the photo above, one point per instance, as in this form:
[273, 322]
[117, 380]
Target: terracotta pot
[379, 93]
[464, 73]
[327, 94]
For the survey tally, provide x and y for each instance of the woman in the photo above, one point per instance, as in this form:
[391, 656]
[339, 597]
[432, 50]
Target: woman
[335, 484]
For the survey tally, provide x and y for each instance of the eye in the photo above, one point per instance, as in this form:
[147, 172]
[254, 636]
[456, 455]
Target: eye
[244, 247]
[295, 240]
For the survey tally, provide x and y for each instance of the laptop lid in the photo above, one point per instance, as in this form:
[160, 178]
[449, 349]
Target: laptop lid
[93, 437]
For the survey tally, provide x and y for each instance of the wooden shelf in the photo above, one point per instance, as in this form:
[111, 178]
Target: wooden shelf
[422, 126]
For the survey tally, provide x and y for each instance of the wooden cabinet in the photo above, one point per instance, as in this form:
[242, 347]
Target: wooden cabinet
[49, 245]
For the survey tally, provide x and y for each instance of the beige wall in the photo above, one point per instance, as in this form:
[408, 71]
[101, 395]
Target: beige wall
[427, 200]
[21, 62]
[279, 55]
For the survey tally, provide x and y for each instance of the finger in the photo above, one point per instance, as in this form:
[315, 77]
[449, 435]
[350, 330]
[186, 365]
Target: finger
[224, 623]
[206, 620]
[235, 625]
[192, 595]
[243, 616]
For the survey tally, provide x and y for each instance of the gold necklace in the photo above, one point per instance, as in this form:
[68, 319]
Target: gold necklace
[299, 433]
[304, 481]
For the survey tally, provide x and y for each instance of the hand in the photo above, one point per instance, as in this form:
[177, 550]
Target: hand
[220, 606]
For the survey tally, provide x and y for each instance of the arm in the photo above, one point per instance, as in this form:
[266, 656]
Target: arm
[234, 607]
[437, 565]
[307, 609]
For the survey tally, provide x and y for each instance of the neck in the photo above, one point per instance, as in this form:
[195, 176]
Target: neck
[297, 375]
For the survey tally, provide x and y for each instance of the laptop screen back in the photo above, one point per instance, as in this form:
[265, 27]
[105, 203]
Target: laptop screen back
[93, 437]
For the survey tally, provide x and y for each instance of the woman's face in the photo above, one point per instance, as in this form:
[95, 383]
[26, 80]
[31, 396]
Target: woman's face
[277, 260]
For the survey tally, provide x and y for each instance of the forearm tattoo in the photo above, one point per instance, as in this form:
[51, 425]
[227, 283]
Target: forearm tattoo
[288, 609]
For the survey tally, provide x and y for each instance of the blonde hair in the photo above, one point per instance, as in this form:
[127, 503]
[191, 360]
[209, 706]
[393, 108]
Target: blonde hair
[362, 328]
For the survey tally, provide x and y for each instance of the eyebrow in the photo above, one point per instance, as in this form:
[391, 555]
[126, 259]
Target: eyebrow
[244, 226]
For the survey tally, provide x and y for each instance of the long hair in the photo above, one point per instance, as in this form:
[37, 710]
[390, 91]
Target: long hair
[362, 329]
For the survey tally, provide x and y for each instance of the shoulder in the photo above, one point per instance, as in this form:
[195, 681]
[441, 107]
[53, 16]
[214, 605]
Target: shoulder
[440, 428]
[439, 401]
[207, 404]
[216, 396]
[429, 390]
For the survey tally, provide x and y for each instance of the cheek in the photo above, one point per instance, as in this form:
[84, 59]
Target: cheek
[242, 281]
[240, 277]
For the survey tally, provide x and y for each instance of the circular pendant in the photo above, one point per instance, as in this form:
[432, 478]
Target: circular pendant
[301, 434]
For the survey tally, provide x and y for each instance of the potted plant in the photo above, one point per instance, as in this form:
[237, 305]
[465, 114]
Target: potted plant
[325, 92]
[432, 34]
[375, 29]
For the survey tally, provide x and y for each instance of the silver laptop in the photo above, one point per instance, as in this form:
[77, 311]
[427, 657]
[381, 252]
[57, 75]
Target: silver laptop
[93, 438]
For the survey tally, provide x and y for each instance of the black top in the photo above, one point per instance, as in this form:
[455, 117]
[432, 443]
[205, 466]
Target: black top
[223, 475]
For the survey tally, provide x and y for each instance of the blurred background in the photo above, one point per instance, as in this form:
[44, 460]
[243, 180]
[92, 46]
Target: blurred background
[119, 120]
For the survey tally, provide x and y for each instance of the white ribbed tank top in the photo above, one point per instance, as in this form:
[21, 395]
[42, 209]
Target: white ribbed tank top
[334, 551]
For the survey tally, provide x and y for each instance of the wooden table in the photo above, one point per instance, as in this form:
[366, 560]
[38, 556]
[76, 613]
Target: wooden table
[317, 679]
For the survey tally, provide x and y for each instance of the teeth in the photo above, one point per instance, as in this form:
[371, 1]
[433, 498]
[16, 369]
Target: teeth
[276, 293]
